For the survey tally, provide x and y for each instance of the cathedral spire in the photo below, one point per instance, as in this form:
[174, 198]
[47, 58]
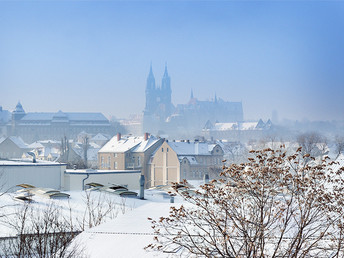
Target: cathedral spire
[191, 95]
[150, 79]
[166, 73]
[215, 100]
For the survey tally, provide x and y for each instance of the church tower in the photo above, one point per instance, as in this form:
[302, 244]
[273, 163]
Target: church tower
[150, 93]
[166, 92]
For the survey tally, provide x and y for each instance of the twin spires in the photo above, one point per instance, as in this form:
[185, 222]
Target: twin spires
[165, 83]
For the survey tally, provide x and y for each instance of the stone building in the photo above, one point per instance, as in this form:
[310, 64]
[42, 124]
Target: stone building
[34, 126]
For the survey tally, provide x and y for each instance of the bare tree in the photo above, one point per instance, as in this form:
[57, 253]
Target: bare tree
[40, 233]
[98, 208]
[275, 205]
[339, 144]
[235, 152]
[85, 147]
[312, 143]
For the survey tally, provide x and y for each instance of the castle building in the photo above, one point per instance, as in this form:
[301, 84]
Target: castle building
[162, 118]
[34, 126]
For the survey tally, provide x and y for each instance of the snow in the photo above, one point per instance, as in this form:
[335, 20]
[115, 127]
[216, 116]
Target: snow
[129, 233]
[235, 126]
[124, 236]
[133, 143]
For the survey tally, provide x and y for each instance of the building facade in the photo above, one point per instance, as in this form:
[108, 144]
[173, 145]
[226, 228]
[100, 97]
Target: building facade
[54, 126]
[176, 161]
[128, 153]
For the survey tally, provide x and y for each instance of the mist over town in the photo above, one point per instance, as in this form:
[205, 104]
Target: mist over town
[220, 121]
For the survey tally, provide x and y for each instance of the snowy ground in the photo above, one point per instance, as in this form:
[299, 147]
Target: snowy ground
[124, 234]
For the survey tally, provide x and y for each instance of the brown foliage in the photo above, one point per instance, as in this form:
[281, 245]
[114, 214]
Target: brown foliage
[275, 205]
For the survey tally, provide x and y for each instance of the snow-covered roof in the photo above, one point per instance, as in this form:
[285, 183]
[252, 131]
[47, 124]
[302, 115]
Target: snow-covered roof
[131, 232]
[72, 116]
[126, 143]
[28, 162]
[146, 144]
[191, 159]
[191, 148]
[123, 145]
[99, 137]
[17, 140]
[35, 145]
[235, 126]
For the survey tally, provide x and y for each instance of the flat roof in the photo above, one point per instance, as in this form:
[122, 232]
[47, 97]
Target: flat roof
[29, 163]
[99, 172]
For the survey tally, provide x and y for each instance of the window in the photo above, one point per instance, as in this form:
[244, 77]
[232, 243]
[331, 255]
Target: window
[102, 162]
[138, 160]
[115, 165]
[166, 149]
[162, 149]
[115, 155]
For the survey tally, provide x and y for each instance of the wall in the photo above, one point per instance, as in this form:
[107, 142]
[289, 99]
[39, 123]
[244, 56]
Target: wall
[36, 174]
[165, 166]
[73, 179]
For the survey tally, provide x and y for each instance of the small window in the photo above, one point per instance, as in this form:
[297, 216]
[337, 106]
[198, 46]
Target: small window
[115, 164]
[115, 155]
[166, 149]
[162, 149]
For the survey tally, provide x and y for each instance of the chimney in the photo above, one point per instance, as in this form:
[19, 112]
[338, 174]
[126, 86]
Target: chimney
[146, 136]
[118, 136]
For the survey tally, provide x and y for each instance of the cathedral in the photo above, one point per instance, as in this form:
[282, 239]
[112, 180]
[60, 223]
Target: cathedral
[161, 117]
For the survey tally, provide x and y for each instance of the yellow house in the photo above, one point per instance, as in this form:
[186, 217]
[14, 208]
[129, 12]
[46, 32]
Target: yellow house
[128, 153]
[178, 160]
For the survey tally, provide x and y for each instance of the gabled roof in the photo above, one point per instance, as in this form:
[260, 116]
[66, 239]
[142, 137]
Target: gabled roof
[129, 143]
[99, 137]
[191, 159]
[145, 145]
[35, 145]
[123, 145]
[17, 140]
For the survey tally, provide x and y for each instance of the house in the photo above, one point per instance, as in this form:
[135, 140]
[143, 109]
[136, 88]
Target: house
[99, 139]
[12, 147]
[128, 153]
[237, 131]
[175, 161]
[48, 150]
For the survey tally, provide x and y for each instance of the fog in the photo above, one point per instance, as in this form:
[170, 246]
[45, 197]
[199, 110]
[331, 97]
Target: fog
[91, 56]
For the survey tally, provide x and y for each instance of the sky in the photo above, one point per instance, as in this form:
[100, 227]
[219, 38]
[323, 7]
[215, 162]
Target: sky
[94, 56]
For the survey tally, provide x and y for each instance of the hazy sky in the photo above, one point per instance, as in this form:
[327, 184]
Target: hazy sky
[94, 56]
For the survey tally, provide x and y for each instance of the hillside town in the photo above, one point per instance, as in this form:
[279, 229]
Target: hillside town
[171, 129]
